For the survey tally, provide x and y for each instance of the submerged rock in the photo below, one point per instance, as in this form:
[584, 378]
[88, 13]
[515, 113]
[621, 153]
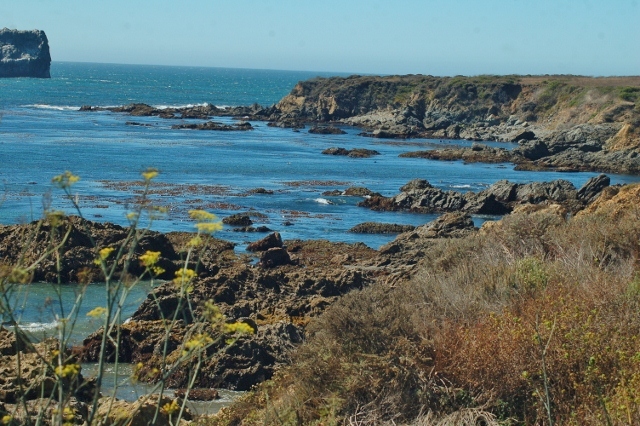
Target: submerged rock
[326, 130]
[353, 153]
[24, 54]
[212, 125]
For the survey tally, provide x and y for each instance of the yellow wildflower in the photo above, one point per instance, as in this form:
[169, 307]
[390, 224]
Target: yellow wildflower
[208, 227]
[195, 242]
[156, 270]
[149, 174]
[239, 327]
[55, 217]
[185, 274]
[133, 216]
[149, 258]
[65, 180]
[199, 341]
[97, 312]
[202, 216]
[68, 370]
[211, 312]
[170, 407]
[6, 419]
[103, 254]
[19, 275]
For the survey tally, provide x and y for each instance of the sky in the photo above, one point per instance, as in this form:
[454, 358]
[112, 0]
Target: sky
[436, 37]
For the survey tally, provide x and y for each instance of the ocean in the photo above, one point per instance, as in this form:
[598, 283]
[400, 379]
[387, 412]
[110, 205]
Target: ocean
[42, 134]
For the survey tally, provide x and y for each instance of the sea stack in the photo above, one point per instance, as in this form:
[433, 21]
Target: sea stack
[24, 54]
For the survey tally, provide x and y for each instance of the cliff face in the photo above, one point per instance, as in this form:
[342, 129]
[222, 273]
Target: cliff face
[483, 108]
[24, 54]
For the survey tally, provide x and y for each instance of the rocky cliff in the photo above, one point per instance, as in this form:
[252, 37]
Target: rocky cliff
[24, 54]
[562, 122]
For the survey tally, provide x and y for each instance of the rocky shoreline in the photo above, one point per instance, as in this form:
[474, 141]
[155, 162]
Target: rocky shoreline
[566, 123]
[293, 282]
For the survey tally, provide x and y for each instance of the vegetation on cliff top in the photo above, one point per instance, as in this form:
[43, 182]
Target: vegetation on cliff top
[535, 98]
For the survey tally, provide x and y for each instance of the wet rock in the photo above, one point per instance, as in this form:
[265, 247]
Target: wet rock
[212, 125]
[78, 252]
[326, 130]
[353, 153]
[270, 241]
[380, 228]
[197, 394]
[359, 191]
[238, 219]
[261, 191]
[258, 229]
[134, 123]
[287, 124]
[416, 185]
[273, 257]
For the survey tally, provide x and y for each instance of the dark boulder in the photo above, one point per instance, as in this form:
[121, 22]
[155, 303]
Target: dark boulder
[270, 241]
[326, 130]
[381, 228]
[353, 153]
[526, 135]
[212, 125]
[238, 219]
[274, 257]
[533, 150]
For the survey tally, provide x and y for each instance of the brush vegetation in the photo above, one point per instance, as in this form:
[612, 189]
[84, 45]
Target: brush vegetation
[531, 320]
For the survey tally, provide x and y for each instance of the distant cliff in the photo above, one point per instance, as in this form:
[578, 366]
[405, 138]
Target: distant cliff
[563, 122]
[24, 54]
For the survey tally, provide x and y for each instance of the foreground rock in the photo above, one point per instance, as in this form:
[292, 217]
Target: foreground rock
[24, 54]
[277, 300]
[23, 245]
[500, 198]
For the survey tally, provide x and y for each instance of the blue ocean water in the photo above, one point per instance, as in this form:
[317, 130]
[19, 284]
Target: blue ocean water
[42, 134]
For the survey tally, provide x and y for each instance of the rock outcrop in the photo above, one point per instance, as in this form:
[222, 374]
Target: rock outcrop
[500, 198]
[24, 54]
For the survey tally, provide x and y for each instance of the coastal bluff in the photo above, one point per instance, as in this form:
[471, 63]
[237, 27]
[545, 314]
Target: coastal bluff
[24, 54]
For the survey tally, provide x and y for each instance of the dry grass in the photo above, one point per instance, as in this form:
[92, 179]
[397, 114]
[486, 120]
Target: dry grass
[534, 320]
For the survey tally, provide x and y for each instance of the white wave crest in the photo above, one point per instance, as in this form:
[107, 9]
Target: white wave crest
[204, 104]
[35, 327]
[54, 107]
[322, 201]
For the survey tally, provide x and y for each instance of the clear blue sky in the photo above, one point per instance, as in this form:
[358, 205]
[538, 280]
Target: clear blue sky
[438, 37]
